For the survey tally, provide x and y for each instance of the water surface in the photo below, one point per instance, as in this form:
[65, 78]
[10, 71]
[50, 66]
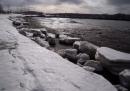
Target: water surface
[109, 33]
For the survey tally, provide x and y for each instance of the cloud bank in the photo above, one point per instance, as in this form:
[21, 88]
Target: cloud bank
[74, 6]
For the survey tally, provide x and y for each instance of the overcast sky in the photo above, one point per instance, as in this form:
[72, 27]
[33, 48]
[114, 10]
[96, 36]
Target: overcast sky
[74, 6]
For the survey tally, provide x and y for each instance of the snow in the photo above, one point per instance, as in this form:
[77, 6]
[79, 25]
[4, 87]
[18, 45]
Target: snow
[114, 61]
[125, 78]
[114, 55]
[126, 73]
[30, 67]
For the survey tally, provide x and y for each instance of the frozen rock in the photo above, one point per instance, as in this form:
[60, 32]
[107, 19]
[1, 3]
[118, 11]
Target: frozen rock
[125, 78]
[36, 32]
[82, 58]
[44, 31]
[51, 35]
[25, 23]
[43, 36]
[31, 32]
[61, 52]
[17, 23]
[113, 60]
[62, 36]
[70, 54]
[95, 64]
[89, 68]
[67, 40]
[57, 34]
[23, 32]
[24, 29]
[76, 44]
[30, 67]
[21, 26]
[121, 88]
[51, 39]
[86, 47]
[42, 42]
[81, 62]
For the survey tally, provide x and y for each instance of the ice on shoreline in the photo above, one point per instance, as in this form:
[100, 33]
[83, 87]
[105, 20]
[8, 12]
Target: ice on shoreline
[29, 67]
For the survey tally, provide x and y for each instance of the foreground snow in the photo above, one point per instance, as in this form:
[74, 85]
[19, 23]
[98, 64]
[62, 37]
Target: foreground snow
[25, 66]
[115, 61]
[114, 55]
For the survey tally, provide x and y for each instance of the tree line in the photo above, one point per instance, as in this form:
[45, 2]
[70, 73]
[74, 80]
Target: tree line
[118, 16]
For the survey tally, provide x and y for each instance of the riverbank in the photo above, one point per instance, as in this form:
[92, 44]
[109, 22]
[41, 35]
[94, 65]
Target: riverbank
[82, 53]
[26, 66]
[113, 34]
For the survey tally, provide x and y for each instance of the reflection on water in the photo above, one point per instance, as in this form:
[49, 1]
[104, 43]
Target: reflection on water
[67, 23]
[109, 33]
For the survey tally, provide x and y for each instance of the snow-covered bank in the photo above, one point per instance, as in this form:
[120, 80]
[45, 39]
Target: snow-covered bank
[115, 61]
[26, 66]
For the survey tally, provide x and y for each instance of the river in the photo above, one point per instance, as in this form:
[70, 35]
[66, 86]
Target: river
[110, 33]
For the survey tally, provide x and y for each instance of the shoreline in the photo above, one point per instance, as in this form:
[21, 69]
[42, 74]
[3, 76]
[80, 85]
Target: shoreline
[88, 50]
[25, 66]
[116, 39]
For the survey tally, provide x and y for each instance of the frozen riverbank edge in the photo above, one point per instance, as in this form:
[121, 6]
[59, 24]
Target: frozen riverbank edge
[25, 66]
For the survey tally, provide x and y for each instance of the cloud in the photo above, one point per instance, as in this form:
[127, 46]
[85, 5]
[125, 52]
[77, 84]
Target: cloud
[14, 3]
[34, 2]
[71, 1]
[119, 2]
[75, 6]
[39, 4]
[122, 6]
[11, 2]
[63, 8]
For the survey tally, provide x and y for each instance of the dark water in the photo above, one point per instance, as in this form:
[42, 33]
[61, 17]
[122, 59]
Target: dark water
[67, 23]
[109, 33]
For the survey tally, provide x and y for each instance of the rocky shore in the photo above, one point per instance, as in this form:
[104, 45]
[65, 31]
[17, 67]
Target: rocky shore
[110, 33]
[80, 65]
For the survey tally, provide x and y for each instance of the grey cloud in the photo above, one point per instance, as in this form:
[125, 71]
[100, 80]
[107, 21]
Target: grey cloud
[122, 6]
[119, 2]
[13, 3]
[71, 1]
[33, 2]
[91, 6]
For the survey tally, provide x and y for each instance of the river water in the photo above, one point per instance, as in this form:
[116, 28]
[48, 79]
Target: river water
[110, 33]
[65, 23]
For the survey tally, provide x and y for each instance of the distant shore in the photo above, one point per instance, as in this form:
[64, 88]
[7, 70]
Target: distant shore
[118, 16]
[124, 17]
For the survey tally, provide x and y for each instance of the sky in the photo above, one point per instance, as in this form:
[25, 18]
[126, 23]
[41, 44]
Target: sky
[70, 6]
